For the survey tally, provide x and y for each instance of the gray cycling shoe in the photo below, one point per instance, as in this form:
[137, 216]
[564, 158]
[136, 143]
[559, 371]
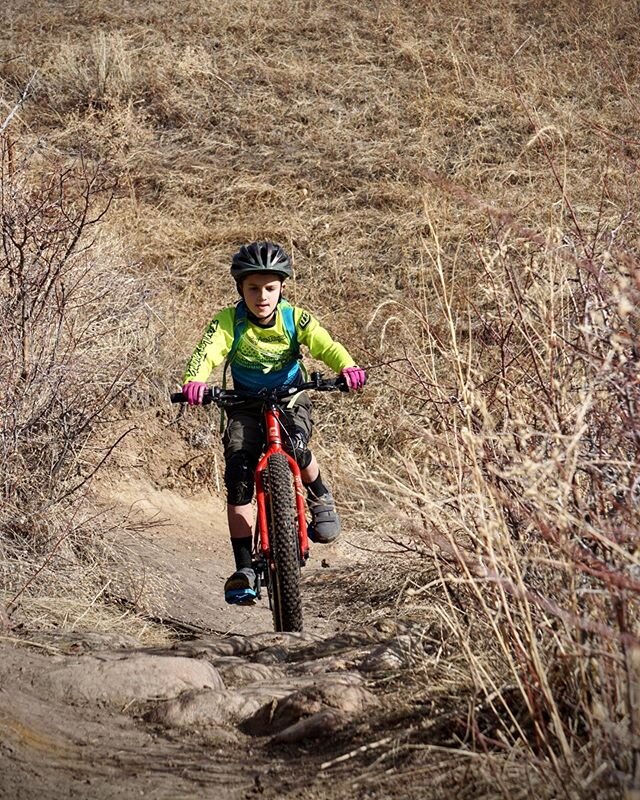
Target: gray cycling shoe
[325, 522]
[240, 588]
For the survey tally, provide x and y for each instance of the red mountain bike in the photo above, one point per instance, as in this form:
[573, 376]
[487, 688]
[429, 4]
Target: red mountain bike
[281, 539]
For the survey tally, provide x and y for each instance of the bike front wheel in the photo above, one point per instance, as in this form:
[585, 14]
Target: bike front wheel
[284, 572]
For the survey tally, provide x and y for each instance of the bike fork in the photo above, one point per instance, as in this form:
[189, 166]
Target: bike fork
[262, 543]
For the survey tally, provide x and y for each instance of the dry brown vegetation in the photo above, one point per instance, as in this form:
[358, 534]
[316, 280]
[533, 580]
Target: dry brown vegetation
[72, 346]
[458, 184]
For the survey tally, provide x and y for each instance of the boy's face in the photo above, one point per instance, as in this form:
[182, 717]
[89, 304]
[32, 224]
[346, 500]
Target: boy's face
[261, 293]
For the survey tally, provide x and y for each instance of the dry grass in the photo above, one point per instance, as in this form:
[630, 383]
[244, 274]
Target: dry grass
[458, 185]
[72, 344]
[522, 481]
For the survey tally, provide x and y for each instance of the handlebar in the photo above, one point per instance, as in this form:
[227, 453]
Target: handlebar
[227, 397]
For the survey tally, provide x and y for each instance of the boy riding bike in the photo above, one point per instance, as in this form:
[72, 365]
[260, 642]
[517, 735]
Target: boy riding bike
[260, 339]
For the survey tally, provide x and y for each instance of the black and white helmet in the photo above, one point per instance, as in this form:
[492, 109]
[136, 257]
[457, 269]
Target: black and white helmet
[261, 257]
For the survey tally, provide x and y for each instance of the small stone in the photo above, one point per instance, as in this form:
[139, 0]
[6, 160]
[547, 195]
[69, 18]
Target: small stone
[389, 656]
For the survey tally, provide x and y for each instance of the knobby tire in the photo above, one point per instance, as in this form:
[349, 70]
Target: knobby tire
[283, 535]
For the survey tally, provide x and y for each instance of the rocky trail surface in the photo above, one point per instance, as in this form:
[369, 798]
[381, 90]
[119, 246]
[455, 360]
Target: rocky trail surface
[226, 708]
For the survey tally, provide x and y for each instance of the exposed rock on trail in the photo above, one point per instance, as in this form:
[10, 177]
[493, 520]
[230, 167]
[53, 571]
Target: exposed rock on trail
[135, 721]
[332, 703]
[119, 679]
[263, 699]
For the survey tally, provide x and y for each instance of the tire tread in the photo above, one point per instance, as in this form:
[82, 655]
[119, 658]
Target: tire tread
[286, 600]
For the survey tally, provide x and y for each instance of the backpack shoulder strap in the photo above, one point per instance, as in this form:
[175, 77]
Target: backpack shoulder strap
[289, 321]
[239, 326]
[240, 323]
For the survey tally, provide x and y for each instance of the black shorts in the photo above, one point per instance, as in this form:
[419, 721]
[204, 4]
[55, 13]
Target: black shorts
[245, 428]
[244, 442]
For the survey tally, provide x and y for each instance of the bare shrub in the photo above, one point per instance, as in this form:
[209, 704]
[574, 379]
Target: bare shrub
[526, 478]
[69, 327]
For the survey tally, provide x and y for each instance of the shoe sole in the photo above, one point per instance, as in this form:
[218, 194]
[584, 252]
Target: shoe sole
[317, 538]
[240, 592]
[240, 597]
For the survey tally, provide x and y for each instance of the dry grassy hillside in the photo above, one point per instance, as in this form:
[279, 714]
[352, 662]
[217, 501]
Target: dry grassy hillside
[458, 185]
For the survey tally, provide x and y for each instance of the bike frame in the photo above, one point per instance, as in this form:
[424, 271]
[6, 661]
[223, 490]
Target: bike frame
[273, 433]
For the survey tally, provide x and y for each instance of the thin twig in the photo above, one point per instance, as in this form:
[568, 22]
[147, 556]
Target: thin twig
[29, 643]
[17, 106]
[353, 753]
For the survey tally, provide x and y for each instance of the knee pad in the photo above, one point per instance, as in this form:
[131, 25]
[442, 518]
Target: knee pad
[297, 446]
[238, 478]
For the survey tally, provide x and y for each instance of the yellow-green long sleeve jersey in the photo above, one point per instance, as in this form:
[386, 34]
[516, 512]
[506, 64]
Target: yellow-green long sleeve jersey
[264, 356]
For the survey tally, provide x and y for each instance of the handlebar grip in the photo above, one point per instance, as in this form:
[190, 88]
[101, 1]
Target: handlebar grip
[207, 398]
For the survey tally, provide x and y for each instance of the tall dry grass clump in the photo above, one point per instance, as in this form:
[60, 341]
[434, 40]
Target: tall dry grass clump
[522, 481]
[70, 324]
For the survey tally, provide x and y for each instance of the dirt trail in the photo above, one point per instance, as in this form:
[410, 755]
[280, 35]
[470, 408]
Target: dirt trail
[214, 715]
[187, 540]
